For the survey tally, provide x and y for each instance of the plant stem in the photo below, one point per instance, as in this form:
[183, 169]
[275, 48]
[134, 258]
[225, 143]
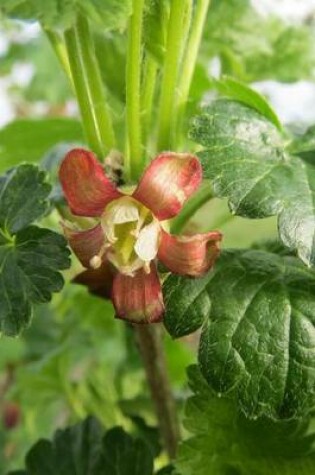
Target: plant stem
[203, 195]
[60, 49]
[149, 338]
[191, 54]
[149, 82]
[134, 154]
[89, 88]
[175, 39]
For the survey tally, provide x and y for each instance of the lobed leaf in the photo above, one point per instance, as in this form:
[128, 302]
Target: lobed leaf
[83, 449]
[53, 14]
[257, 312]
[30, 257]
[224, 442]
[247, 160]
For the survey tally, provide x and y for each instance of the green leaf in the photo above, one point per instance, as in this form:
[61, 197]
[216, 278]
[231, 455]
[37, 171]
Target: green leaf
[30, 257]
[122, 455]
[224, 442]
[281, 52]
[247, 161]
[83, 450]
[52, 14]
[257, 312]
[30, 263]
[29, 139]
[19, 207]
[304, 145]
[240, 92]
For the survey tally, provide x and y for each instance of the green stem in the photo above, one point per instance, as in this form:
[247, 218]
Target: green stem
[203, 195]
[134, 154]
[175, 39]
[60, 49]
[191, 55]
[149, 82]
[89, 88]
[150, 344]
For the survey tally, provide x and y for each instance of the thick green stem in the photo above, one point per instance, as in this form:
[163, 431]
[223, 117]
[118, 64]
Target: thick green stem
[149, 82]
[203, 195]
[60, 49]
[150, 344]
[174, 47]
[89, 88]
[191, 54]
[134, 160]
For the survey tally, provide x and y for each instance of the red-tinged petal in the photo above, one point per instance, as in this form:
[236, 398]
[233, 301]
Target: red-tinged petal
[86, 187]
[98, 281]
[189, 255]
[138, 299]
[85, 244]
[169, 180]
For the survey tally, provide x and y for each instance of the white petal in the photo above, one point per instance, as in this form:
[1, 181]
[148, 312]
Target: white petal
[125, 211]
[147, 243]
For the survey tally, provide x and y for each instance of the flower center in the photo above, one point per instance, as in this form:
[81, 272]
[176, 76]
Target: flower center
[132, 235]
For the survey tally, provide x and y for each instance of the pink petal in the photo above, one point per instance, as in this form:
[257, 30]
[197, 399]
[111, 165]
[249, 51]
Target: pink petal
[138, 299]
[86, 187]
[170, 179]
[98, 281]
[85, 244]
[189, 255]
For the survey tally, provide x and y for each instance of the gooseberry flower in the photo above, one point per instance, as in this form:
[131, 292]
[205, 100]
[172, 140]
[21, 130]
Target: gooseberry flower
[130, 233]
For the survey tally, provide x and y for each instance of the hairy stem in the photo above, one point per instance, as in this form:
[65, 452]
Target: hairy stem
[149, 82]
[149, 338]
[60, 49]
[202, 196]
[89, 88]
[191, 54]
[175, 38]
[134, 154]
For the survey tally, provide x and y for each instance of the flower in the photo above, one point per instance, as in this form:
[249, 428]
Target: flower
[130, 233]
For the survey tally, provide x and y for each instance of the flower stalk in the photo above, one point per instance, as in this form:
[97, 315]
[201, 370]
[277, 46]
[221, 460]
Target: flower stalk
[150, 343]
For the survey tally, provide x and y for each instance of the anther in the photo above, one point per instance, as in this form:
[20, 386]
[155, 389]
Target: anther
[96, 261]
[147, 267]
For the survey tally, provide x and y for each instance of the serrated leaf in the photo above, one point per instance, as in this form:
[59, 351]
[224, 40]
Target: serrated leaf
[240, 92]
[83, 449]
[30, 257]
[245, 158]
[53, 14]
[19, 207]
[258, 337]
[29, 139]
[224, 442]
[30, 262]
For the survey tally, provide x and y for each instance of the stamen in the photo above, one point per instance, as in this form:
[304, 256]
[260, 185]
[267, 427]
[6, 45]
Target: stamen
[147, 267]
[96, 261]
[144, 213]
